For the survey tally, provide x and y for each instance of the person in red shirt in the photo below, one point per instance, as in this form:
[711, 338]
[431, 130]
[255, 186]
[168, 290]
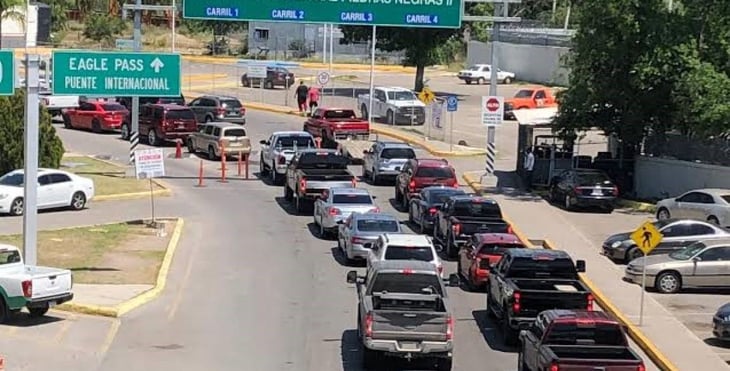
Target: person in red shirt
[313, 97]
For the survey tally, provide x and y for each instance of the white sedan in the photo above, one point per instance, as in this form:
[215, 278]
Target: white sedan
[56, 189]
[710, 204]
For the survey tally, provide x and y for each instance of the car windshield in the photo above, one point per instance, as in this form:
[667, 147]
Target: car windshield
[523, 94]
[434, 172]
[340, 114]
[401, 95]
[476, 209]
[439, 197]
[359, 199]
[659, 224]
[13, 180]
[688, 252]
[497, 248]
[180, 114]
[473, 68]
[230, 103]
[178, 100]
[378, 225]
[591, 178]
[113, 107]
[726, 198]
[300, 141]
[421, 253]
[405, 153]
[601, 334]
[235, 132]
[407, 283]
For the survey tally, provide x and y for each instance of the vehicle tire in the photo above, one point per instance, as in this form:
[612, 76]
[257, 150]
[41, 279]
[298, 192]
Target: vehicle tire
[421, 229]
[509, 336]
[507, 80]
[668, 283]
[552, 194]
[397, 196]
[663, 214]
[17, 207]
[4, 313]
[468, 82]
[38, 312]
[370, 359]
[124, 132]
[713, 220]
[411, 221]
[567, 203]
[67, 121]
[262, 166]
[490, 307]
[450, 246]
[78, 201]
[444, 364]
[152, 138]
[299, 205]
[96, 126]
[404, 203]
[374, 178]
[288, 194]
[480, 81]
[364, 112]
[274, 177]
[211, 153]
[269, 84]
[191, 147]
[521, 365]
[389, 118]
[608, 209]
[633, 253]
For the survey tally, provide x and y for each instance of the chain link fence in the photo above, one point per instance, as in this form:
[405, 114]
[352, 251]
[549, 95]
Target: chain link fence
[715, 151]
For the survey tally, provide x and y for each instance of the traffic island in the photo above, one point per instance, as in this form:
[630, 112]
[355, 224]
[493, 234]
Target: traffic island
[110, 181]
[116, 267]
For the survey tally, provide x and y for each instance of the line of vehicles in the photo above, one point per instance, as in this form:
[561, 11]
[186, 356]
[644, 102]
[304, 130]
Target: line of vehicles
[404, 312]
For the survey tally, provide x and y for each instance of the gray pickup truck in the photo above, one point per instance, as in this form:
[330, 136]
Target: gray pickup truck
[313, 171]
[404, 314]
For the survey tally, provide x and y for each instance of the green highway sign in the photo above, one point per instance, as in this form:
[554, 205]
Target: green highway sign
[7, 72]
[394, 13]
[107, 73]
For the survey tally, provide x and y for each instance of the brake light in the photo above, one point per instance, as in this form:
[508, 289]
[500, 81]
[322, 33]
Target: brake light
[407, 271]
[369, 325]
[510, 230]
[641, 367]
[356, 240]
[433, 211]
[302, 184]
[281, 160]
[516, 302]
[449, 328]
[354, 183]
[221, 111]
[615, 191]
[478, 262]
[243, 111]
[455, 185]
[457, 229]
[412, 186]
[590, 298]
[27, 288]
[375, 210]
[576, 189]
[440, 269]
[334, 211]
[554, 367]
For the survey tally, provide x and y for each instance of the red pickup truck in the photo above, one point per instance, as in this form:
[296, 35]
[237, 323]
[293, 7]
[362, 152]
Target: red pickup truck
[483, 250]
[331, 124]
[576, 340]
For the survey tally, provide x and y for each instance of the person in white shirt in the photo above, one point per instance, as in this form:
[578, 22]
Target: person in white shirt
[528, 166]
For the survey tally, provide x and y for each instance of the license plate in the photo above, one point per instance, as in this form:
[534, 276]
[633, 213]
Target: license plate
[409, 345]
[51, 304]
[181, 126]
[597, 192]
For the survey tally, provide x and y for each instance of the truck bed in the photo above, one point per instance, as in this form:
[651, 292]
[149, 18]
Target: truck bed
[472, 225]
[543, 294]
[353, 148]
[409, 317]
[595, 356]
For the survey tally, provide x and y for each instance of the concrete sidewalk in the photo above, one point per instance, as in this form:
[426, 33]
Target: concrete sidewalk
[537, 219]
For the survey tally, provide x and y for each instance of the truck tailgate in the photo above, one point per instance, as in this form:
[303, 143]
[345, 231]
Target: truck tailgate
[471, 227]
[616, 358]
[48, 282]
[409, 325]
[538, 295]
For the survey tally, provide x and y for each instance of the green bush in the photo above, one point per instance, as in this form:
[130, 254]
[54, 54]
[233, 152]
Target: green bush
[12, 123]
[103, 28]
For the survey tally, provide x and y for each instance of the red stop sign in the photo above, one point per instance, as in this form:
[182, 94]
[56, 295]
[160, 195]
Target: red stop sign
[492, 104]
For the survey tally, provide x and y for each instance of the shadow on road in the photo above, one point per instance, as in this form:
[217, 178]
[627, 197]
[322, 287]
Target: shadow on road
[489, 331]
[24, 319]
[351, 351]
[93, 269]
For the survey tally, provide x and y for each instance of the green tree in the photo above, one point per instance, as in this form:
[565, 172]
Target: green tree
[11, 10]
[103, 28]
[59, 11]
[12, 115]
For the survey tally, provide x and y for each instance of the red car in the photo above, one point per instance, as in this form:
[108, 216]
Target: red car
[331, 124]
[481, 252]
[97, 116]
[418, 174]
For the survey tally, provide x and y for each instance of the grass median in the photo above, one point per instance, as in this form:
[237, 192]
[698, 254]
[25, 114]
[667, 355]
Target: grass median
[123, 253]
[109, 179]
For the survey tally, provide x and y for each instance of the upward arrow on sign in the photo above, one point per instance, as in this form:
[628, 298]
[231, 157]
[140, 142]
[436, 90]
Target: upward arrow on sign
[157, 64]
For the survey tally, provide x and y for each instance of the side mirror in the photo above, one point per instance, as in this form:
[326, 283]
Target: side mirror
[351, 276]
[580, 266]
[368, 245]
[340, 222]
[374, 197]
[523, 334]
[454, 280]
[264, 142]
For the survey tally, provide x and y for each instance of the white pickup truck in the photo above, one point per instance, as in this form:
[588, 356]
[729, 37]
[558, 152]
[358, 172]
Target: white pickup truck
[278, 150]
[482, 73]
[394, 106]
[55, 104]
[33, 287]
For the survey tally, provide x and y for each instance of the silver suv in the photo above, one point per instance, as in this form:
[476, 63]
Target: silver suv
[210, 136]
[385, 159]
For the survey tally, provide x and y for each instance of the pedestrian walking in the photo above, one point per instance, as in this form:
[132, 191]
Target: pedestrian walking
[313, 97]
[528, 166]
[301, 95]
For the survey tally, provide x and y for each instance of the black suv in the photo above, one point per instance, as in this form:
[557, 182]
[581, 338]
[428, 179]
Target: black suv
[275, 76]
[127, 101]
[208, 108]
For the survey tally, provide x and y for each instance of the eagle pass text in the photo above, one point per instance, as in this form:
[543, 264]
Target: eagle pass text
[112, 66]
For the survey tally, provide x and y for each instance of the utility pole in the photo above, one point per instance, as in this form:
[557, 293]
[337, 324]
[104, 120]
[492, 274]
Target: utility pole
[30, 185]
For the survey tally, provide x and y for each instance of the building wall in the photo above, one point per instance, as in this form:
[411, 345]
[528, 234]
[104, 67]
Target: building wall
[656, 178]
[535, 63]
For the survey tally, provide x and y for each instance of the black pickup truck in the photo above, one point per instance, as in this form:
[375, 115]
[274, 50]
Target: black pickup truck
[576, 340]
[526, 282]
[462, 216]
[312, 171]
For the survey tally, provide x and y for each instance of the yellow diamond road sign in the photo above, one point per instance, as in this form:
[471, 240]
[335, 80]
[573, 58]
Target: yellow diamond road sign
[426, 96]
[647, 237]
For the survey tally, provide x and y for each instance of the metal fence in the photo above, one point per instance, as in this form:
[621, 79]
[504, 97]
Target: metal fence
[709, 151]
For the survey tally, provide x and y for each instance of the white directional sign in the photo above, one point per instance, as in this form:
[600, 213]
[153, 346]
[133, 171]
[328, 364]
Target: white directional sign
[323, 78]
[257, 71]
[492, 110]
[149, 163]
[436, 109]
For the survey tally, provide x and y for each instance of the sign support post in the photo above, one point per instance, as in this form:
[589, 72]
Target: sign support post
[372, 75]
[134, 135]
[647, 237]
[332, 45]
[452, 105]
[643, 289]
[30, 191]
[324, 43]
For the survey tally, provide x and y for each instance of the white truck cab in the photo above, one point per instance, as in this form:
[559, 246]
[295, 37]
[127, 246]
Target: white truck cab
[405, 246]
[33, 287]
[279, 149]
[482, 73]
[393, 106]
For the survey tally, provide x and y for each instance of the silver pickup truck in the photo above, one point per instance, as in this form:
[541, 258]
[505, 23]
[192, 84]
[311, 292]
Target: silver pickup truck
[313, 171]
[404, 314]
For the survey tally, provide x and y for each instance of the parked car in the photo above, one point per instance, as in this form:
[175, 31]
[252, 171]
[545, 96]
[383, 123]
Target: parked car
[576, 340]
[336, 204]
[480, 253]
[417, 174]
[709, 204]
[482, 73]
[385, 160]
[529, 98]
[163, 122]
[127, 101]
[721, 323]
[677, 235]
[97, 116]
[279, 149]
[275, 76]
[404, 246]
[393, 105]
[56, 189]
[701, 264]
[425, 205]
[357, 233]
[210, 108]
[35, 288]
[584, 188]
[212, 135]
[404, 312]
[313, 171]
[332, 124]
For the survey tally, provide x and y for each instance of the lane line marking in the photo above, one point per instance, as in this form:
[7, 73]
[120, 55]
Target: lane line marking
[178, 296]
[67, 322]
[110, 336]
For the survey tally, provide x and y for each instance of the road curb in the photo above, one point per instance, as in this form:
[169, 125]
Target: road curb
[639, 338]
[142, 298]
[164, 192]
